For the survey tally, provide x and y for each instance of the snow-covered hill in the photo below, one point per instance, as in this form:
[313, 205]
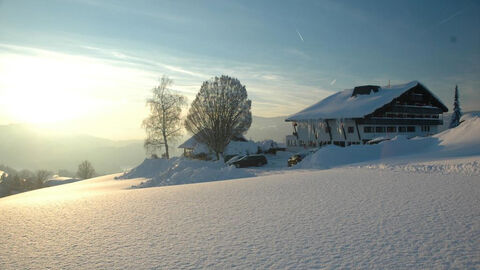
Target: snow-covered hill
[338, 218]
[417, 210]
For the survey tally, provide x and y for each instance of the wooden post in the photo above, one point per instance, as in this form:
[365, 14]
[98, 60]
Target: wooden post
[329, 130]
[358, 131]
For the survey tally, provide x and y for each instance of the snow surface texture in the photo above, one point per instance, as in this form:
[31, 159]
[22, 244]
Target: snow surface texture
[338, 218]
[343, 105]
[457, 166]
[177, 171]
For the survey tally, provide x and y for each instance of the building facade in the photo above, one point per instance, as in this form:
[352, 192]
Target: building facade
[365, 113]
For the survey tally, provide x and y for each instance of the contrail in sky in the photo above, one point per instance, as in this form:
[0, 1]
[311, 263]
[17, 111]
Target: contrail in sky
[450, 17]
[333, 82]
[299, 35]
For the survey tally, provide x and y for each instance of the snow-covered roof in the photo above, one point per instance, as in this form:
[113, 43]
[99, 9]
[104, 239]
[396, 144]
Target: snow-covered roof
[345, 105]
[190, 143]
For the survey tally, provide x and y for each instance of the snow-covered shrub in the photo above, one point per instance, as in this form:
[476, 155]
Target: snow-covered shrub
[176, 171]
[241, 148]
[268, 146]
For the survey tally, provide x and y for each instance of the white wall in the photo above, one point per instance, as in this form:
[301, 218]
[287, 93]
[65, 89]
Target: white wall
[314, 133]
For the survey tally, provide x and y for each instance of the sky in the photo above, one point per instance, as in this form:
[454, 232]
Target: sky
[88, 65]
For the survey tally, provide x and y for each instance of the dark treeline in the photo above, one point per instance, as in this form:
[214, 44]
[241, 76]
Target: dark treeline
[13, 181]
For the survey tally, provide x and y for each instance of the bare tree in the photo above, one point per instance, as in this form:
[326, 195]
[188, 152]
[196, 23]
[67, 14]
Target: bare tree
[40, 177]
[85, 170]
[220, 111]
[164, 122]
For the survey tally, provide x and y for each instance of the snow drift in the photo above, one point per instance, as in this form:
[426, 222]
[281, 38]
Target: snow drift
[177, 171]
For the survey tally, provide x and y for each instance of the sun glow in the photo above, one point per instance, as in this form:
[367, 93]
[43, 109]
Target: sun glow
[39, 87]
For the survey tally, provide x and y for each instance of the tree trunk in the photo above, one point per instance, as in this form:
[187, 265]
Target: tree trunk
[166, 150]
[167, 155]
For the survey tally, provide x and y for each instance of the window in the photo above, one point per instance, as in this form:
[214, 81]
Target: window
[350, 129]
[425, 128]
[327, 129]
[380, 129]
[402, 129]
[391, 129]
[368, 129]
[339, 143]
[416, 97]
[411, 129]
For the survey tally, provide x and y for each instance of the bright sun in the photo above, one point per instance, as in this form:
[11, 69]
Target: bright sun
[42, 89]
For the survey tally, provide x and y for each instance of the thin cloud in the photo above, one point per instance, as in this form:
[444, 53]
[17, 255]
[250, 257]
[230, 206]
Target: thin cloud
[184, 71]
[297, 53]
[451, 17]
[136, 60]
[299, 35]
[270, 77]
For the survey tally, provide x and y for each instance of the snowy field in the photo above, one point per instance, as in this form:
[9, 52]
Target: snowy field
[417, 210]
[338, 218]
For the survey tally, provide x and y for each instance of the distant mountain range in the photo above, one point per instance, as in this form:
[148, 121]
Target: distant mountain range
[264, 128]
[24, 147]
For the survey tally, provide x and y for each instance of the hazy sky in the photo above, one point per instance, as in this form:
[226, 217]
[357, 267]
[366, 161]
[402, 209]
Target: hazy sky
[88, 65]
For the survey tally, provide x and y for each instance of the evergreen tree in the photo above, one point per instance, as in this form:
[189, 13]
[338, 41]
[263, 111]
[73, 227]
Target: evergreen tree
[457, 112]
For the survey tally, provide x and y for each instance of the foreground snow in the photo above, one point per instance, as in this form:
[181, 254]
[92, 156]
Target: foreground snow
[338, 218]
[406, 204]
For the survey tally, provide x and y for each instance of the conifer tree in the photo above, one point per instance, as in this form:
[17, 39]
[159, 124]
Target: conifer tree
[457, 112]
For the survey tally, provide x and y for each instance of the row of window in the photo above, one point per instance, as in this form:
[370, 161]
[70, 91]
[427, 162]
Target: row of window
[404, 115]
[380, 129]
[392, 129]
[322, 143]
[400, 129]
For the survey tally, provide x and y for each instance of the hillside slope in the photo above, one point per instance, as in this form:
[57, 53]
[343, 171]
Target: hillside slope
[338, 218]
